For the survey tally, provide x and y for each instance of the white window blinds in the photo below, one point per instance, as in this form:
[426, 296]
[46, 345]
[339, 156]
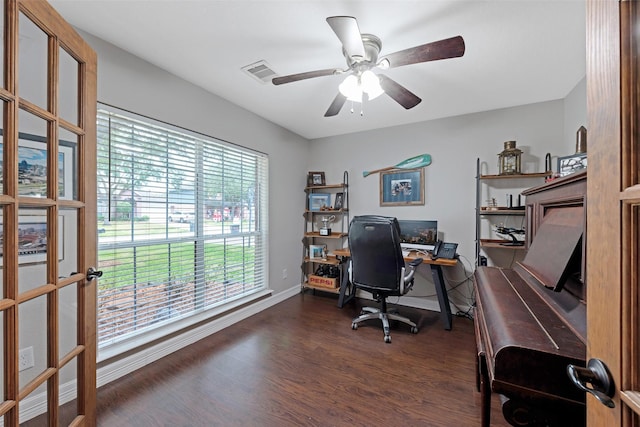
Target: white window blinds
[182, 224]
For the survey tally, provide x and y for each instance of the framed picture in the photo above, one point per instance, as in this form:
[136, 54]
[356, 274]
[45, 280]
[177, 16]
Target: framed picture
[319, 201]
[32, 167]
[317, 251]
[402, 187]
[573, 163]
[32, 239]
[339, 201]
[315, 179]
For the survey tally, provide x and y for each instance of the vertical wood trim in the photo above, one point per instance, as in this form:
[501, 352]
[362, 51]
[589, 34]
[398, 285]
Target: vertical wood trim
[10, 268]
[53, 299]
[88, 235]
[603, 189]
[630, 354]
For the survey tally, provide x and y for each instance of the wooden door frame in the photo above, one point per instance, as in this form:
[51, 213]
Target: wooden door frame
[613, 104]
[60, 35]
[603, 189]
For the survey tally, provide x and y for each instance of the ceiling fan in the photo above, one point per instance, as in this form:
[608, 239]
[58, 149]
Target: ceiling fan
[361, 52]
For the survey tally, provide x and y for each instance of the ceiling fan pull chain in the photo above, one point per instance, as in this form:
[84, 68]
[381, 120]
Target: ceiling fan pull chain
[351, 107]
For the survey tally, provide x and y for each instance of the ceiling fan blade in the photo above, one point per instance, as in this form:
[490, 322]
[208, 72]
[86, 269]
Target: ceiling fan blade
[346, 28]
[302, 76]
[443, 49]
[336, 105]
[399, 93]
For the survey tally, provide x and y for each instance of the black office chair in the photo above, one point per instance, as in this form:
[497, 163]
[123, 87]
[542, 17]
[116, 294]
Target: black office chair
[377, 266]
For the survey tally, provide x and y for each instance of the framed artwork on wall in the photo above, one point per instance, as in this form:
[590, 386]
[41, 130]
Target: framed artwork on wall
[32, 247]
[32, 167]
[402, 187]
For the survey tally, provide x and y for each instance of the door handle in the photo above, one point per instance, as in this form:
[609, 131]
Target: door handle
[92, 273]
[597, 375]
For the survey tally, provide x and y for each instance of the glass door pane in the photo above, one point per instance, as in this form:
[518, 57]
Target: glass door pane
[32, 156]
[32, 67]
[68, 87]
[67, 165]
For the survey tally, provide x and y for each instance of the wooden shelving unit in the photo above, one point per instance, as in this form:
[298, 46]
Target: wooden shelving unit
[335, 240]
[492, 213]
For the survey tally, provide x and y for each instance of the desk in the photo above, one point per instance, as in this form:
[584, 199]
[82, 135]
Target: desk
[348, 292]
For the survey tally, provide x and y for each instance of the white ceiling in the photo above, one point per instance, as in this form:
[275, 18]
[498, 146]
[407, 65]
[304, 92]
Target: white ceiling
[517, 52]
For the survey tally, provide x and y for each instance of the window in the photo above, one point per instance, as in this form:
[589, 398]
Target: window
[182, 224]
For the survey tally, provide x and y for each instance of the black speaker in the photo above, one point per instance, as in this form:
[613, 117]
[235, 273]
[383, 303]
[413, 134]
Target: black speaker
[483, 260]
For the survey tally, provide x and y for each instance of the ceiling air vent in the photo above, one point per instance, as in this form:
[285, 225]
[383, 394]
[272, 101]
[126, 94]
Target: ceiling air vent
[260, 70]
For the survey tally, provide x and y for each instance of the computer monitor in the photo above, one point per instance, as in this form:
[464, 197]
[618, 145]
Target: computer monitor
[418, 234]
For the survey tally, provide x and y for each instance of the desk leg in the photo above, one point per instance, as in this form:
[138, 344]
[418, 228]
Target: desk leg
[347, 290]
[443, 298]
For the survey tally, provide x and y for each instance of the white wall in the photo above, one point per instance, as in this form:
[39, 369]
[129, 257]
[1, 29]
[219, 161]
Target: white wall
[575, 115]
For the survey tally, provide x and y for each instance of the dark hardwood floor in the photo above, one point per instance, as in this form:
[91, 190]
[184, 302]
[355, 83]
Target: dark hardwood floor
[299, 363]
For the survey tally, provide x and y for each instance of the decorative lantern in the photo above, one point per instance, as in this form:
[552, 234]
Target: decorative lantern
[510, 159]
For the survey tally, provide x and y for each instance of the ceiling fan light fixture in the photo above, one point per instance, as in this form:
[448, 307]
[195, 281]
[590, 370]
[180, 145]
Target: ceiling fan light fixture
[351, 89]
[354, 86]
[370, 84]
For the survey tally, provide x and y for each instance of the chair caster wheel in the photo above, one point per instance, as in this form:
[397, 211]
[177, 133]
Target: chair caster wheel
[354, 326]
[414, 330]
[387, 339]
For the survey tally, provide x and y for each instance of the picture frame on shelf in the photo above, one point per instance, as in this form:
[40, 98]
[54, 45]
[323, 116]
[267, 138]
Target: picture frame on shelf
[319, 202]
[339, 201]
[573, 163]
[317, 251]
[315, 179]
[402, 187]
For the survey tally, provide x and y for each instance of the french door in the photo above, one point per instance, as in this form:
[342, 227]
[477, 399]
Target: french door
[613, 205]
[48, 216]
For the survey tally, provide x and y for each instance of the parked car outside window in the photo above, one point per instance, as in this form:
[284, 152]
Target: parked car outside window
[182, 217]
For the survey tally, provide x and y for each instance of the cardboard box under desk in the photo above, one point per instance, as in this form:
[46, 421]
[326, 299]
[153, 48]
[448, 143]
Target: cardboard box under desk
[323, 282]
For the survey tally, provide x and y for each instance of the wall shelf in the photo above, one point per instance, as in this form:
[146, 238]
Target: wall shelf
[501, 211]
[499, 244]
[515, 176]
[333, 235]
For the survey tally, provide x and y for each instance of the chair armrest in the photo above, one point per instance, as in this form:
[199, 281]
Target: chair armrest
[408, 279]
